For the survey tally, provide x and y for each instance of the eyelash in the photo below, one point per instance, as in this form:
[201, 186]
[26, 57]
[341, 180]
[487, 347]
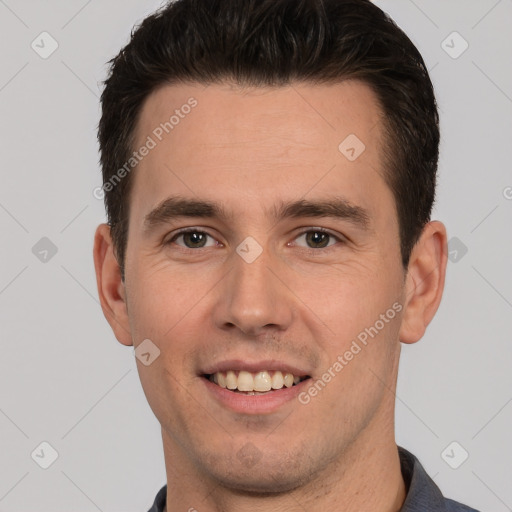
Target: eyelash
[308, 249]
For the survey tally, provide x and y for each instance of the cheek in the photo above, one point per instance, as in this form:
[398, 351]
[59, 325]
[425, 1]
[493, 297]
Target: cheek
[362, 316]
[163, 307]
[162, 310]
[161, 299]
[348, 299]
[359, 368]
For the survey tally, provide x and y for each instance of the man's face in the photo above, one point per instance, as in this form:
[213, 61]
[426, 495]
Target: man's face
[210, 301]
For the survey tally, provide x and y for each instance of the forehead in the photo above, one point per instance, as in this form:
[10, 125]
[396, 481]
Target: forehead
[308, 114]
[247, 144]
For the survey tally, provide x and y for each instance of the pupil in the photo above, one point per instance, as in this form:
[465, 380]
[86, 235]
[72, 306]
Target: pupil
[196, 238]
[317, 237]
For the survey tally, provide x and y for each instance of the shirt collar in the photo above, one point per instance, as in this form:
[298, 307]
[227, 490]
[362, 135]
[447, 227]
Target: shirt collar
[422, 492]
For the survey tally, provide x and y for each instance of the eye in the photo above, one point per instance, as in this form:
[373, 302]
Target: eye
[193, 239]
[318, 238]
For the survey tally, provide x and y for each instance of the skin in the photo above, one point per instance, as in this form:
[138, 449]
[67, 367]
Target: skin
[298, 302]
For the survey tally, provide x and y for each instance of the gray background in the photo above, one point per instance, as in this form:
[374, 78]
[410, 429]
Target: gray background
[67, 381]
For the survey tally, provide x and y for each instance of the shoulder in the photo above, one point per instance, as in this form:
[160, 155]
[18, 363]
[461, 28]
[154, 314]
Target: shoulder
[455, 506]
[422, 491]
[160, 499]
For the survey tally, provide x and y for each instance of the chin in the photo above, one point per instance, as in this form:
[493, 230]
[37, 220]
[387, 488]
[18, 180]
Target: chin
[259, 483]
[250, 471]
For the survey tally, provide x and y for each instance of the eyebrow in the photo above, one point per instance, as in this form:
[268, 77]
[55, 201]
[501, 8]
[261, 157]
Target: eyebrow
[176, 207]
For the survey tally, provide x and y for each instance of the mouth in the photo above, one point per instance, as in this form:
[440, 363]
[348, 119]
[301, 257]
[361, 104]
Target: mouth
[264, 382]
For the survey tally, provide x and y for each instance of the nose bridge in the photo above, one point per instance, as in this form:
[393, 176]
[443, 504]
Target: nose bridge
[252, 297]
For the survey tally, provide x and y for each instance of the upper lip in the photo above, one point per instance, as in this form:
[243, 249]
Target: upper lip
[254, 367]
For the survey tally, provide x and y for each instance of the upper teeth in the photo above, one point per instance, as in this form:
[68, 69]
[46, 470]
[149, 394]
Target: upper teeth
[259, 381]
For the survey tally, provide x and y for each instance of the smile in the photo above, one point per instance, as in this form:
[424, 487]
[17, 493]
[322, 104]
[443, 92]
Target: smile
[254, 383]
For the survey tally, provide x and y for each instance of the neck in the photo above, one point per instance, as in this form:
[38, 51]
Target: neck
[366, 478]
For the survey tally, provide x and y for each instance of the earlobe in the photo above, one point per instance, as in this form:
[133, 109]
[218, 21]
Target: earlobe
[111, 289]
[424, 282]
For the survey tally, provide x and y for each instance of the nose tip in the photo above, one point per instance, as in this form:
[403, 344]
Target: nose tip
[252, 330]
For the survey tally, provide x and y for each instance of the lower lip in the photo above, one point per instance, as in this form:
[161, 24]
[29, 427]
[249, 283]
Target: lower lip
[254, 404]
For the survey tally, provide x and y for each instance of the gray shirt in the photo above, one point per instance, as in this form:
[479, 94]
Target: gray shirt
[423, 495]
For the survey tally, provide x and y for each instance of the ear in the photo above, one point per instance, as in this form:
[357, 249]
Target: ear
[111, 289]
[424, 282]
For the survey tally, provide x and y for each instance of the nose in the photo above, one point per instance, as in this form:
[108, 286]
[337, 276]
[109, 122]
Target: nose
[254, 296]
